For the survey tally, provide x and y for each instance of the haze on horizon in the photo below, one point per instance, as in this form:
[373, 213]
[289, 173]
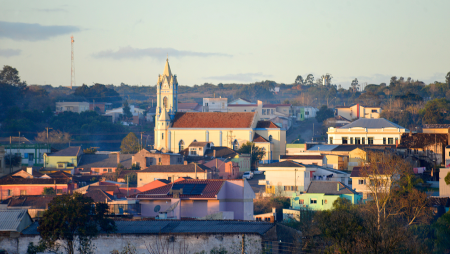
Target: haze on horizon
[225, 42]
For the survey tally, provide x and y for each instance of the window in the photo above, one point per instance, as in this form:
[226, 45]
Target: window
[390, 141]
[363, 141]
[169, 178]
[344, 140]
[263, 111]
[271, 111]
[258, 219]
[162, 135]
[307, 113]
[148, 161]
[331, 140]
[266, 219]
[109, 170]
[104, 170]
[159, 160]
[374, 111]
[23, 192]
[9, 192]
[181, 145]
[270, 138]
[384, 141]
[370, 141]
[235, 145]
[357, 141]
[313, 201]
[361, 182]
[301, 201]
[351, 140]
[165, 102]
[58, 191]
[60, 165]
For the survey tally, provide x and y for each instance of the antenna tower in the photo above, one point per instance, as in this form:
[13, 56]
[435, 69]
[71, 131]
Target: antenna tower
[72, 65]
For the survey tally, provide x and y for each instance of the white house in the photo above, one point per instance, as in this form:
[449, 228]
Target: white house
[215, 104]
[288, 177]
[377, 131]
[358, 111]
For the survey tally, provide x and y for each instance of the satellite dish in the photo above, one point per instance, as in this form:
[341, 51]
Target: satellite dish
[157, 208]
[296, 198]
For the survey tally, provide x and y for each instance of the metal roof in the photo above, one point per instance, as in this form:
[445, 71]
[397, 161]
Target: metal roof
[329, 188]
[182, 227]
[372, 123]
[69, 151]
[10, 219]
[322, 148]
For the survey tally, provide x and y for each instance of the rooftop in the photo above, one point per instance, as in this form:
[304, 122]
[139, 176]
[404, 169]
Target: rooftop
[10, 219]
[329, 188]
[174, 168]
[69, 151]
[275, 105]
[8, 180]
[31, 201]
[259, 138]
[104, 160]
[213, 120]
[421, 140]
[301, 157]
[372, 123]
[323, 148]
[283, 164]
[182, 227]
[436, 126]
[266, 125]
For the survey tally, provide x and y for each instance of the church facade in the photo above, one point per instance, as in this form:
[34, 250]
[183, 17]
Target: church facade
[174, 131]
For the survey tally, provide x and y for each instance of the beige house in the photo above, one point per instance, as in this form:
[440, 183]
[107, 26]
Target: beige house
[364, 182]
[436, 128]
[175, 130]
[367, 131]
[172, 173]
[358, 111]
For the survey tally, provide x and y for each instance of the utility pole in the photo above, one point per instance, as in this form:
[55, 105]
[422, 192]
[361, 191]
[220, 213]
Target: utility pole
[141, 141]
[10, 154]
[295, 179]
[47, 128]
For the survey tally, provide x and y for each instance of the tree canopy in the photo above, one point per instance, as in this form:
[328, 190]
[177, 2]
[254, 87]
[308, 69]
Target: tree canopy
[257, 153]
[324, 113]
[130, 144]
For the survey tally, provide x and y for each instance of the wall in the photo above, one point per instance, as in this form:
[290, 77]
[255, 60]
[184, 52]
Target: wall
[377, 134]
[280, 177]
[166, 159]
[444, 189]
[52, 161]
[237, 196]
[146, 177]
[183, 243]
[35, 189]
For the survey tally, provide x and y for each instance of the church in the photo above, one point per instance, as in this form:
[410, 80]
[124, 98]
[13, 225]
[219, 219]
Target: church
[175, 131]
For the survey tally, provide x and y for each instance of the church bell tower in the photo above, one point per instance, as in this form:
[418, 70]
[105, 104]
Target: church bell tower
[167, 106]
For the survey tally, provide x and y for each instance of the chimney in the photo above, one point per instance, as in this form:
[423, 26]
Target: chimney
[185, 163]
[274, 210]
[338, 187]
[118, 157]
[29, 170]
[214, 153]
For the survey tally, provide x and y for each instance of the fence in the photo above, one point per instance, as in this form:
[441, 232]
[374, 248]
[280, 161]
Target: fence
[275, 247]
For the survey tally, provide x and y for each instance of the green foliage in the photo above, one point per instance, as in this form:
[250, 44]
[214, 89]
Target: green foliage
[127, 249]
[120, 166]
[71, 218]
[33, 249]
[324, 113]
[436, 112]
[90, 150]
[256, 152]
[447, 179]
[126, 111]
[135, 167]
[259, 90]
[13, 160]
[48, 191]
[264, 205]
[130, 144]
[100, 93]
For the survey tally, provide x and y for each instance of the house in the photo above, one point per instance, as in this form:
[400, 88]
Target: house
[17, 186]
[242, 159]
[294, 149]
[246, 107]
[240, 101]
[215, 104]
[198, 148]
[231, 199]
[337, 121]
[145, 158]
[426, 146]
[172, 172]
[289, 177]
[100, 107]
[358, 111]
[436, 128]
[64, 160]
[223, 169]
[377, 131]
[34, 204]
[30, 151]
[363, 179]
[320, 195]
[268, 217]
[270, 111]
[302, 113]
[76, 107]
[115, 114]
[189, 107]
[98, 164]
[314, 159]
[13, 222]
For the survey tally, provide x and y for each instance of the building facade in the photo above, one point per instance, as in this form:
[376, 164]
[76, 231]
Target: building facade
[76, 107]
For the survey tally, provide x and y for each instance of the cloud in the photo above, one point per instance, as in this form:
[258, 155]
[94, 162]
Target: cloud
[32, 32]
[160, 53]
[9, 52]
[244, 77]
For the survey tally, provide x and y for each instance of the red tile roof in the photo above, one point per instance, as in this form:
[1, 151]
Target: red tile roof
[259, 138]
[174, 168]
[301, 157]
[266, 124]
[210, 191]
[213, 120]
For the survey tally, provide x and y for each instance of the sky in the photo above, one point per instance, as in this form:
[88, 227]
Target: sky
[225, 41]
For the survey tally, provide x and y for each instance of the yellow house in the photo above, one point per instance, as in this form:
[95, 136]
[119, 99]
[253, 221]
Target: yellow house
[64, 160]
[174, 131]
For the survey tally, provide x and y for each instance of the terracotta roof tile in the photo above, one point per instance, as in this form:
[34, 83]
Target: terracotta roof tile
[213, 120]
[259, 138]
[173, 168]
[266, 124]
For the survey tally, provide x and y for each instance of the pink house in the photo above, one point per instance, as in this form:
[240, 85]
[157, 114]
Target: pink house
[199, 198]
[223, 169]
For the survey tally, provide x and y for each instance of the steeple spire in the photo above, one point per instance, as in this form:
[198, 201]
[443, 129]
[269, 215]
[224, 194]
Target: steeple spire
[167, 71]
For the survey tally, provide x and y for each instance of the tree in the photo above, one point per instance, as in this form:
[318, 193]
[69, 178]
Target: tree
[447, 78]
[324, 113]
[126, 111]
[13, 160]
[54, 137]
[130, 144]
[73, 220]
[354, 85]
[436, 112]
[299, 80]
[90, 150]
[309, 79]
[257, 153]
[48, 191]
[9, 75]
[447, 179]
